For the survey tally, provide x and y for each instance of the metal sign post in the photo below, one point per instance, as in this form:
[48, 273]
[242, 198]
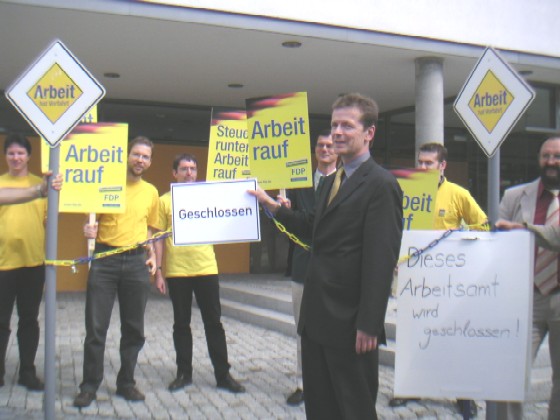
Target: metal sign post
[490, 103]
[50, 292]
[53, 94]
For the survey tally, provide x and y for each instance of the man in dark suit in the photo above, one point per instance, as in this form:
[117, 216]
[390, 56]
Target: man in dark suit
[304, 199]
[356, 230]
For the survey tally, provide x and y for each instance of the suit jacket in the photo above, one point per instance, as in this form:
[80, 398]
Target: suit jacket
[519, 203]
[356, 242]
[302, 199]
[546, 236]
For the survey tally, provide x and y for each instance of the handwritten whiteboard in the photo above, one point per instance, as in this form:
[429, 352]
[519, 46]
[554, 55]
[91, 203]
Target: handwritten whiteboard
[464, 314]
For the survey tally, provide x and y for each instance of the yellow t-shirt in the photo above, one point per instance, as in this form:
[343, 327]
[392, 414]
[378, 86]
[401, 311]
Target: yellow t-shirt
[184, 261]
[131, 227]
[22, 227]
[455, 204]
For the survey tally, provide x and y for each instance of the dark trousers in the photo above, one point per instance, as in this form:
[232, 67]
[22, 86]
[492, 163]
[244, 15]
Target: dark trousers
[125, 276]
[207, 292]
[339, 384]
[24, 287]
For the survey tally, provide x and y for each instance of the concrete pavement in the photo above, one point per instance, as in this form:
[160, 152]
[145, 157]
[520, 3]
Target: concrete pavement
[262, 360]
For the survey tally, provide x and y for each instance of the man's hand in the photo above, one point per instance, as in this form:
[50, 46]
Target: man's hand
[365, 342]
[284, 201]
[56, 183]
[160, 282]
[90, 230]
[265, 200]
[507, 225]
[151, 261]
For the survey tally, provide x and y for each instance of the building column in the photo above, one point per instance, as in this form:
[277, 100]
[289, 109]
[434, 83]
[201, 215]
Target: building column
[428, 101]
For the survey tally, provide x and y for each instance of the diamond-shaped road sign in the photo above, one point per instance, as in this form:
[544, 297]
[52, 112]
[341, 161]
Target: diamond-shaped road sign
[492, 100]
[54, 93]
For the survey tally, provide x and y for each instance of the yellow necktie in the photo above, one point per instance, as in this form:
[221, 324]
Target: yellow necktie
[336, 184]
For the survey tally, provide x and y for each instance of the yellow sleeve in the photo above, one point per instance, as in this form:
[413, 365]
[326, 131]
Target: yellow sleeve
[472, 213]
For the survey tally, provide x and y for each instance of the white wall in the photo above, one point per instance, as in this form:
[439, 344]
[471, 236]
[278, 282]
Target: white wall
[518, 25]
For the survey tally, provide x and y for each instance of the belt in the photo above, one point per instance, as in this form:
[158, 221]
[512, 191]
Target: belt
[99, 247]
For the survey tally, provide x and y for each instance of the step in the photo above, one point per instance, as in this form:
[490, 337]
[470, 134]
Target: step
[262, 317]
[272, 309]
[267, 299]
[387, 353]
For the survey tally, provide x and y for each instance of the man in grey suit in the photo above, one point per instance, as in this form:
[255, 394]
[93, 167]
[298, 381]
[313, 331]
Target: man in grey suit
[546, 236]
[529, 203]
[356, 230]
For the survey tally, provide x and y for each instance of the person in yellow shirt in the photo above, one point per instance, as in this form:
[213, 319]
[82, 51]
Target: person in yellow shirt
[454, 204]
[188, 270]
[125, 275]
[22, 259]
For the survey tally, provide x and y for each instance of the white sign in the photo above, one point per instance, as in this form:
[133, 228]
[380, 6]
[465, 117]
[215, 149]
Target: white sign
[54, 93]
[214, 212]
[464, 316]
[492, 100]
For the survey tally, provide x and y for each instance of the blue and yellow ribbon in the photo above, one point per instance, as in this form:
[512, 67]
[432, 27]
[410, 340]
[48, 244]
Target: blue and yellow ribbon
[86, 260]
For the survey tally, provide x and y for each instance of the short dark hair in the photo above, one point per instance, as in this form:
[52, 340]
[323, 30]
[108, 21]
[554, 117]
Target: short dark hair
[368, 107]
[324, 132]
[434, 147]
[184, 156]
[140, 140]
[19, 139]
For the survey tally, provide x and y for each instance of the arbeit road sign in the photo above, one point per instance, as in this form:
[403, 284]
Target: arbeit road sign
[55, 92]
[492, 100]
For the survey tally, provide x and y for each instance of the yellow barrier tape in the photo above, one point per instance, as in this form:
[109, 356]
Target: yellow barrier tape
[85, 260]
[477, 227]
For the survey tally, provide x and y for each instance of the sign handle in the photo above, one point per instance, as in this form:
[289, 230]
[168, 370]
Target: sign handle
[91, 242]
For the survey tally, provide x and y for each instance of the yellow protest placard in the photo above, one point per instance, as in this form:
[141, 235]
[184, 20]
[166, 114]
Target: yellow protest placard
[93, 161]
[279, 142]
[90, 117]
[419, 197]
[228, 146]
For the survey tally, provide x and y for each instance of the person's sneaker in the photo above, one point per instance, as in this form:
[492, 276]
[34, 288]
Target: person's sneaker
[295, 398]
[230, 384]
[179, 382]
[32, 383]
[84, 399]
[131, 393]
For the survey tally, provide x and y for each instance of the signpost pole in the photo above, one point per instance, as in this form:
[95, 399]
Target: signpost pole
[494, 186]
[50, 292]
[55, 68]
[493, 212]
[490, 103]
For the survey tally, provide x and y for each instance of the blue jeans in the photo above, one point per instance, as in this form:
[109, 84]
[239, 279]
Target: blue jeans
[126, 276]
